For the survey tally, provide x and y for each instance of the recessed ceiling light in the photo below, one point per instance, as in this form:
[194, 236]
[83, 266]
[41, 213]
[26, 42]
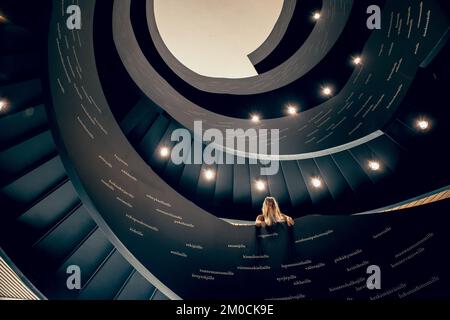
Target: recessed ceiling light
[327, 91]
[316, 182]
[316, 15]
[260, 185]
[209, 174]
[3, 104]
[292, 110]
[164, 152]
[255, 118]
[374, 165]
[423, 124]
[357, 60]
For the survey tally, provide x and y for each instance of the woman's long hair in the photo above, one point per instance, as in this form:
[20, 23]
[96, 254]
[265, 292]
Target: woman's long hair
[271, 211]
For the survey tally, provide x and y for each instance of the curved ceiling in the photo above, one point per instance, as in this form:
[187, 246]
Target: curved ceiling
[214, 38]
[319, 42]
[357, 112]
[277, 34]
[271, 103]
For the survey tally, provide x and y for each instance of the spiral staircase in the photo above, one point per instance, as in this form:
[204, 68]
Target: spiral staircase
[44, 226]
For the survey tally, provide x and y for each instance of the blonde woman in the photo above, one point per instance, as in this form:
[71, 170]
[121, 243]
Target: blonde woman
[271, 214]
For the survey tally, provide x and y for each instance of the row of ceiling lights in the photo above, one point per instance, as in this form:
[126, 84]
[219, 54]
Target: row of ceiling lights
[316, 182]
[260, 185]
[326, 91]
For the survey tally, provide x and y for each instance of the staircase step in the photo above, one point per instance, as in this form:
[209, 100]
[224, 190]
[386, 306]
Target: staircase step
[107, 282]
[337, 184]
[149, 143]
[88, 256]
[21, 126]
[296, 186]
[139, 118]
[30, 187]
[42, 216]
[159, 296]
[136, 287]
[65, 236]
[223, 194]
[353, 173]
[242, 196]
[24, 157]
